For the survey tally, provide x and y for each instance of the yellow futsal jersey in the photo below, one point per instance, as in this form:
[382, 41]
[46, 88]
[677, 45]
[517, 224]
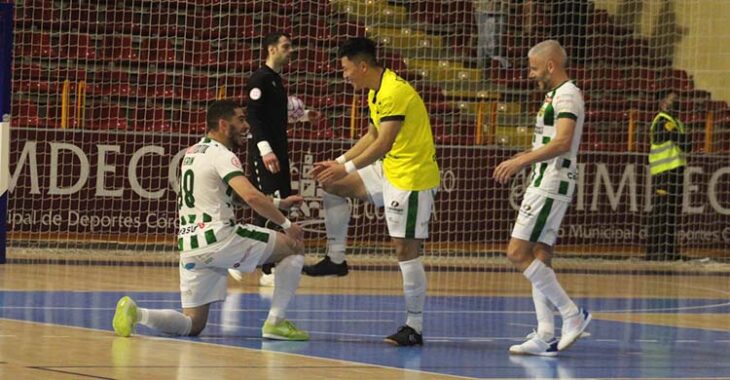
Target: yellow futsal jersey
[411, 162]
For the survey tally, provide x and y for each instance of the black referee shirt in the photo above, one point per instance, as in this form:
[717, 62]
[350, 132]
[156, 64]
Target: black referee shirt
[267, 112]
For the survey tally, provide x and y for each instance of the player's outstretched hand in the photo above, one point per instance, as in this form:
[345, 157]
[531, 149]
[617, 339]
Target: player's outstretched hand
[320, 166]
[295, 232]
[290, 201]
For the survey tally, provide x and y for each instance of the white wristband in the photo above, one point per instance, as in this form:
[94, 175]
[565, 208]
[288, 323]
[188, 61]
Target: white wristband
[264, 148]
[286, 225]
[350, 167]
[277, 202]
[341, 159]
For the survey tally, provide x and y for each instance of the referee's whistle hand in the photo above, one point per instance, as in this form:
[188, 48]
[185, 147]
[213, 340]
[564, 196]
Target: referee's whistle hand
[271, 162]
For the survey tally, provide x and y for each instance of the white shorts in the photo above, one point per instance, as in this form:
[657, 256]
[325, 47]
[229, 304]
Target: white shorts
[539, 219]
[204, 276]
[407, 212]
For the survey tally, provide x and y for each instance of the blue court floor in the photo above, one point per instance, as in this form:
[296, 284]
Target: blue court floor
[465, 336]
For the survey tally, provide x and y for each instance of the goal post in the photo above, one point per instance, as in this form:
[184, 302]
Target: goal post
[6, 59]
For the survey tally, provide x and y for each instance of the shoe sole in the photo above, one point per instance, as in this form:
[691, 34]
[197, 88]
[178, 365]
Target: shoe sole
[524, 353]
[578, 335]
[279, 337]
[395, 343]
[325, 275]
[121, 316]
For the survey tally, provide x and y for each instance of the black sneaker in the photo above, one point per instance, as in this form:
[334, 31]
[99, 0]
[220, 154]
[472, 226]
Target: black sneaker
[326, 268]
[406, 336]
[266, 268]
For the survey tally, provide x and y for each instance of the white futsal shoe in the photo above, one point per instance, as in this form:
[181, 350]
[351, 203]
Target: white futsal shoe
[573, 328]
[535, 346]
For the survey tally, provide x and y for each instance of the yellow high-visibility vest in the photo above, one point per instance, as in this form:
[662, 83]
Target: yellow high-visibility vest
[667, 155]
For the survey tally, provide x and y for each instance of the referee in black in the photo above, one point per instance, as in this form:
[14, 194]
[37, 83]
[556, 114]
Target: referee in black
[268, 150]
[268, 156]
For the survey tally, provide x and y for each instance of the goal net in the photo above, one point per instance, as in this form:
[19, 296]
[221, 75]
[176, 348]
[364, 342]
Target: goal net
[107, 94]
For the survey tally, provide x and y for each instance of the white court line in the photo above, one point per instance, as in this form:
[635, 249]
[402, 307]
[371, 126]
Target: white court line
[683, 308]
[339, 320]
[666, 309]
[328, 333]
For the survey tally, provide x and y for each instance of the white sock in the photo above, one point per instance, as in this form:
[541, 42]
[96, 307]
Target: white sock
[167, 321]
[414, 290]
[336, 220]
[543, 278]
[286, 282]
[545, 316]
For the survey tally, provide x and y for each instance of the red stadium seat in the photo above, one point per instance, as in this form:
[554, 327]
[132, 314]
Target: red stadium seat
[200, 54]
[159, 51]
[34, 45]
[192, 121]
[312, 29]
[153, 119]
[25, 114]
[119, 49]
[77, 46]
[106, 116]
[157, 85]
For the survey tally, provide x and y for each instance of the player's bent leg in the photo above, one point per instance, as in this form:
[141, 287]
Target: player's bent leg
[337, 213]
[520, 253]
[199, 318]
[337, 218]
[172, 322]
[543, 252]
[289, 259]
[352, 186]
[284, 246]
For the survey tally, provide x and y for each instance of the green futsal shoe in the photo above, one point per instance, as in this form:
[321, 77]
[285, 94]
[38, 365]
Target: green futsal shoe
[125, 317]
[285, 330]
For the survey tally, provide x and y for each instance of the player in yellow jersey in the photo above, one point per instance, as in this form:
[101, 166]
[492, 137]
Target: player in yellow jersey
[392, 166]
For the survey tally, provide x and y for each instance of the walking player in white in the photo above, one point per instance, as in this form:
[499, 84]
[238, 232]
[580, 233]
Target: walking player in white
[558, 131]
[210, 241]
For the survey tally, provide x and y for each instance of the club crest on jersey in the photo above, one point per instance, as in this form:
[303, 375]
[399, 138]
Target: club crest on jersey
[201, 225]
[236, 162]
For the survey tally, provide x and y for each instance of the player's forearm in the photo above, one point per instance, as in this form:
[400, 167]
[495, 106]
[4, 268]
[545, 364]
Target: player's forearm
[266, 208]
[551, 150]
[372, 153]
[359, 147]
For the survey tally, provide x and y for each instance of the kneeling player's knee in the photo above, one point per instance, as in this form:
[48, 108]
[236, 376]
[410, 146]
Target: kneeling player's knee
[295, 247]
[198, 326]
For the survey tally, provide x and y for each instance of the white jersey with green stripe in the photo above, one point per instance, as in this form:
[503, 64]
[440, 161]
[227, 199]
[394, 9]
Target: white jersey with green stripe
[205, 202]
[556, 177]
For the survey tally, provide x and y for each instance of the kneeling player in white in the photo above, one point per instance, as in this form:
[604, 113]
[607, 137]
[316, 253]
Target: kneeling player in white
[211, 242]
[558, 130]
